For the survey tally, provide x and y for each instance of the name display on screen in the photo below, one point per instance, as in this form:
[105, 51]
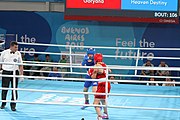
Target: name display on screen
[156, 11]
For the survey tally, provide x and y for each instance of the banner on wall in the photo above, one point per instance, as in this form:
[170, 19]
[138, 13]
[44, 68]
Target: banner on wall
[51, 28]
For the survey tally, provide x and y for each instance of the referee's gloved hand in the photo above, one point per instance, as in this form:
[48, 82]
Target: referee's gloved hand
[21, 78]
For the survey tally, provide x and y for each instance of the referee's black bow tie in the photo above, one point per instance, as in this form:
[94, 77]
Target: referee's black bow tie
[12, 52]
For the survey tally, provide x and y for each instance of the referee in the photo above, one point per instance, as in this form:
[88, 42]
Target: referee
[12, 56]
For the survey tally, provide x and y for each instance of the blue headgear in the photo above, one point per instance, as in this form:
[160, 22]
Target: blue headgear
[90, 51]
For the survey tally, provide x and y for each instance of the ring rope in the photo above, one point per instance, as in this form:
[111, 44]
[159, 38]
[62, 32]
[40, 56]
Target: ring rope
[102, 47]
[93, 93]
[83, 79]
[111, 67]
[109, 56]
[92, 105]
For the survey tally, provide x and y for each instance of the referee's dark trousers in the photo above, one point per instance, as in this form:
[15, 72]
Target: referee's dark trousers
[5, 84]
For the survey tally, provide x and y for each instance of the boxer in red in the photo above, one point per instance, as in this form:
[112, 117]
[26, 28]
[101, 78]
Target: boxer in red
[100, 73]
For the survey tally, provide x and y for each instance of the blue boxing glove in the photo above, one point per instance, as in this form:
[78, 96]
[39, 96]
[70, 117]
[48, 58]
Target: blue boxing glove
[87, 61]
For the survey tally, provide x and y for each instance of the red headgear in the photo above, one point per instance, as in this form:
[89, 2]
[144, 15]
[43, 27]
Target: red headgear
[98, 57]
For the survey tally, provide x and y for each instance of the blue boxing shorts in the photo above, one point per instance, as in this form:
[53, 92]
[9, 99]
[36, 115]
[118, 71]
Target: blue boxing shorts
[88, 84]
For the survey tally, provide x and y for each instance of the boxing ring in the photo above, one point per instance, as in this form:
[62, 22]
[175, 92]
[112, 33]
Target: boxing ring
[61, 99]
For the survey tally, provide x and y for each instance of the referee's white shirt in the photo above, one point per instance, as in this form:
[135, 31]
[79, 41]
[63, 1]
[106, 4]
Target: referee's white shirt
[8, 57]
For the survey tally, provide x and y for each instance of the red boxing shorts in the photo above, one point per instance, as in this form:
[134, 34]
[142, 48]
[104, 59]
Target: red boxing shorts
[102, 89]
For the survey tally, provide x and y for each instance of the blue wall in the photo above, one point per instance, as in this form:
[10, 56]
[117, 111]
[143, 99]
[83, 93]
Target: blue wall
[51, 28]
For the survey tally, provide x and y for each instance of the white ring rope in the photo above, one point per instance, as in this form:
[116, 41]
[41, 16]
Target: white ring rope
[144, 108]
[102, 47]
[80, 73]
[77, 79]
[91, 105]
[108, 67]
[119, 67]
[83, 79]
[93, 93]
[115, 48]
[108, 56]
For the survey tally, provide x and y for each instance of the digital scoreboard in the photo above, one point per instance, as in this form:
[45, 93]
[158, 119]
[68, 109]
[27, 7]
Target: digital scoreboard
[155, 11]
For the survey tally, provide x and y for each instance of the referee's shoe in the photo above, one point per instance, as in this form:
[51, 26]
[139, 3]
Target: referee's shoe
[2, 106]
[12, 108]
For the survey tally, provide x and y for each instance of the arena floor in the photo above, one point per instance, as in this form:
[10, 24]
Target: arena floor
[60, 112]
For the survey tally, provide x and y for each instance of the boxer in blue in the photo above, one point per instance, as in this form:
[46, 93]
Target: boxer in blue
[88, 60]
